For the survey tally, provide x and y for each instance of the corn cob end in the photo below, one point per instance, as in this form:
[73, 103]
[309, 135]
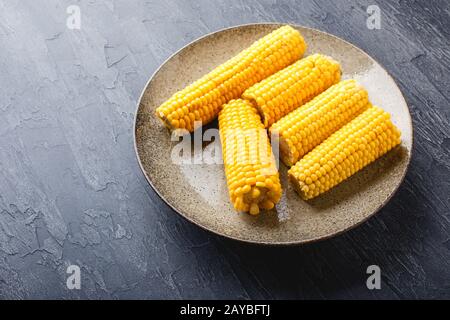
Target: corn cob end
[286, 151]
[160, 114]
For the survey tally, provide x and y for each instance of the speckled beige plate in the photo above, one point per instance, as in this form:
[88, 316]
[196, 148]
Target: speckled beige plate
[199, 191]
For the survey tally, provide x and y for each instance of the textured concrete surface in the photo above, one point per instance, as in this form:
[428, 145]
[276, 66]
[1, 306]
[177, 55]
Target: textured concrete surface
[71, 191]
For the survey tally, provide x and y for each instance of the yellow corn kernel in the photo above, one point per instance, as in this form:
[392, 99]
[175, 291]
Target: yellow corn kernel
[304, 128]
[255, 192]
[293, 86]
[250, 168]
[202, 100]
[254, 209]
[363, 140]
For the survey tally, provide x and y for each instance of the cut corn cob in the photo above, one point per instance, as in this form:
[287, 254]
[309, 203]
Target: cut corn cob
[348, 150]
[293, 86]
[250, 169]
[201, 101]
[304, 128]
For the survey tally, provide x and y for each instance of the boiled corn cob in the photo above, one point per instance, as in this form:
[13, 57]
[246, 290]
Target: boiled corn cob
[304, 128]
[250, 169]
[348, 150]
[293, 86]
[201, 101]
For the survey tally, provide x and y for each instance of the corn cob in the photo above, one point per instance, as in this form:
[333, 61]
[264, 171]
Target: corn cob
[304, 128]
[250, 169]
[201, 101]
[293, 86]
[366, 138]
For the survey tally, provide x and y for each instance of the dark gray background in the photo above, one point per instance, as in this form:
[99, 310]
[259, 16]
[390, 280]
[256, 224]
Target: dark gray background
[71, 191]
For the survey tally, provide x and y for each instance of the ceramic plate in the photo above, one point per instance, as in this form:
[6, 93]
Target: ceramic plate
[198, 190]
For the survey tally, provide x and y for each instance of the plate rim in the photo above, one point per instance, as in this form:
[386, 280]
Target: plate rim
[249, 241]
